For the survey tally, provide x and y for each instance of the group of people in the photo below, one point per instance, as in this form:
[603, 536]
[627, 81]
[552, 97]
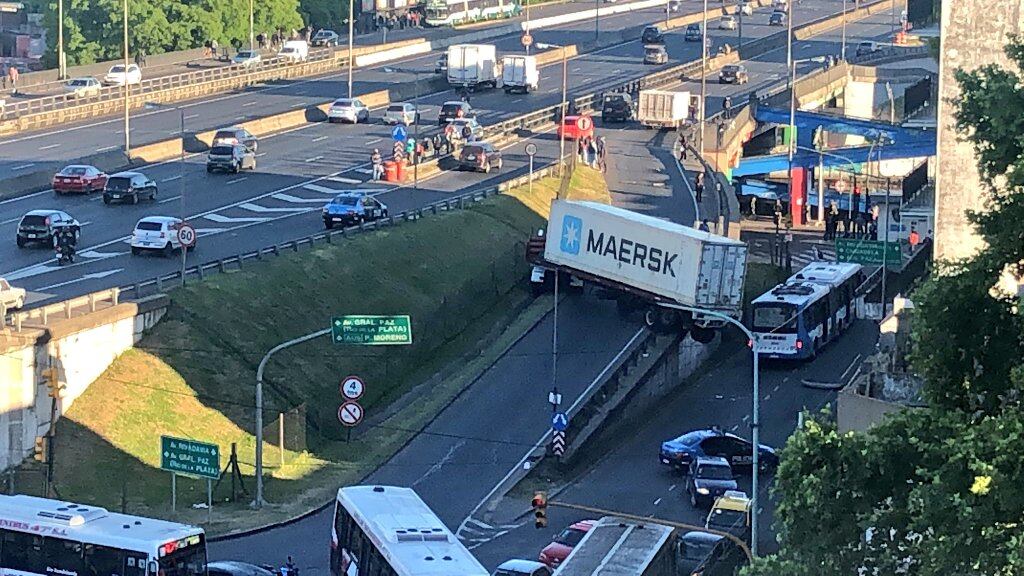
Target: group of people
[593, 151]
[413, 150]
[862, 225]
[410, 19]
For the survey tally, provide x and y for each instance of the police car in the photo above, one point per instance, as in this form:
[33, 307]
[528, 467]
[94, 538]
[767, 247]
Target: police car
[353, 208]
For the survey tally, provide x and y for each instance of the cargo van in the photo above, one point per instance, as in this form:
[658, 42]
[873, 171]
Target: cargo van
[294, 51]
[519, 74]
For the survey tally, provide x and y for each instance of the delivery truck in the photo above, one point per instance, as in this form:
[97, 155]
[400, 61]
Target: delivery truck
[519, 73]
[472, 65]
[665, 109]
[644, 263]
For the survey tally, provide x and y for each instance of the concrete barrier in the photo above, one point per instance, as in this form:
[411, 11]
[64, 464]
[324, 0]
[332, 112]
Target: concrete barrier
[555, 55]
[393, 54]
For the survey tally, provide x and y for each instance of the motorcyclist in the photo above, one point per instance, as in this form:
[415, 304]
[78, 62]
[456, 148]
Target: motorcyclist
[289, 568]
[64, 240]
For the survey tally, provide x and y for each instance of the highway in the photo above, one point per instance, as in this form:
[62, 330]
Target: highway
[453, 474]
[280, 201]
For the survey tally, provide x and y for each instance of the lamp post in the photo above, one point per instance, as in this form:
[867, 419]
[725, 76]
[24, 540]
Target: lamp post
[842, 49]
[703, 77]
[127, 86]
[258, 501]
[62, 71]
[791, 146]
[181, 168]
[564, 107]
[416, 105]
[755, 425]
[252, 31]
[350, 34]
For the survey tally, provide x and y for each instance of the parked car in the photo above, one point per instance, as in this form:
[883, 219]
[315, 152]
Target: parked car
[679, 452]
[460, 125]
[727, 23]
[733, 74]
[235, 135]
[655, 54]
[777, 19]
[521, 568]
[247, 58]
[576, 127]
[617, 106]
[326, 38]
[78, 178]
[230, 158]
[12, 298]
[693, 33]
[558, 550]
[708, 478]
[401, 113]
[453, 110]
[867, 48]
[480, 156]
[651, 35]
[348, 110]
[294, 51]
[745, 9]
[349, 209]
[82, 87]
[129, 187]
[117, 76]
[702, 553]
[156, 234]
[233, 568]
[39, 226]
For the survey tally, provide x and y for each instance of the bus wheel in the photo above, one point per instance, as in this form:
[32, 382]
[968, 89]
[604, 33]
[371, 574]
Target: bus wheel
[702, 335]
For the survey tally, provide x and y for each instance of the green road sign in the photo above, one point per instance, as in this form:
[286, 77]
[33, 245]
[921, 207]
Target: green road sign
[868, 252]
[189, 457]
[371, 330]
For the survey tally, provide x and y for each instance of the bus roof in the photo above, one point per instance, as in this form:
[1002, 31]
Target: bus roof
[797, 294]
[89, 524]
[831, 274]
[616, 547]
[407, 532]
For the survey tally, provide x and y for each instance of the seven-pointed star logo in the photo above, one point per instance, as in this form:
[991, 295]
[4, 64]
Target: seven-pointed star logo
[572, 229]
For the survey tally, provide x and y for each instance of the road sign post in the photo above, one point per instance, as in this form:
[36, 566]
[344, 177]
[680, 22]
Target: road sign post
[559, 422]
[187, 238]
[531, 150]
[352, 387]
[350, 414]
[372, 330]
[399, 133]
[527, 40]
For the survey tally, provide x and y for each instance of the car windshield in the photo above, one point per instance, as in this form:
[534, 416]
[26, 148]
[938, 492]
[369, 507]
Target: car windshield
[345, 201]
[79, 83]
[865, 44]
[697, 550]
[778, 318]
[221, 151]
[730, 69]
[245, 54]
[654, 51]
[396, 108]
[33, 220]
[118, 183]
[570, 537]
[117, 70]
[693, 28]
[74, 171]
[714, 472]
[450, 108]
[472, 150]
[149, 226]
[726, 520]
[189, 561]
[343, 103]
[322, 34]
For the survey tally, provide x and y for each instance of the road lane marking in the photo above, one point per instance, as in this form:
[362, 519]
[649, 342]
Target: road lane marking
[296, 199]
[106, 148]
[239, 117]
[25, 197]
[672, 487]
[230, 220]
[374, 141]
[50, 146]
[171, 179]
[93, 276]
[364, 170]
[658, 501]
[171, 199]
[23, 166]
[253, 103]
[257, 208]
[345, 180]
[313, 159]
[237, 180]
[321, 189]
[191, 116]
[319, 139]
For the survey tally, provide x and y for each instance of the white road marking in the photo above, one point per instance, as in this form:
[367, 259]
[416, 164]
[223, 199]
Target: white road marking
[483, 525]
[257, 208]
[191, 116]
[105, 148]
[100, 255]
[345, 180]
[23, 166]
[229, 220]
[209, 231]
[25, 197]
[239, 117]
[171, 179]
[672, 487]
[313, 159]
[92, 276]
[364, 170]
[374, 141]
[253, 103]
[237, 180]
[319, 139]
[171, 199]
[50, 146]
[296, 199]
[733, 429]
[439, 464]
[321, 189]
[658, 501]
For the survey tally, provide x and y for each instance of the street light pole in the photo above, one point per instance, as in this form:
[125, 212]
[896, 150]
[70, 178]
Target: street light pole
[252, 32]
[755, 425]
[703, 78]
[350, 62]
[259, 501]
[127, 86]
[61, 69]
[842, 49]
[789, 34]
[597, 19]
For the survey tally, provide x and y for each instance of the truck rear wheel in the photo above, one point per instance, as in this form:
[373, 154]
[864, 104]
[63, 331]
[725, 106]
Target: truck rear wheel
[661, 320]
[702, 335]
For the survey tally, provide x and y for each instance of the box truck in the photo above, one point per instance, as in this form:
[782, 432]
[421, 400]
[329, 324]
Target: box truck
[663, 109]
[472, 65]
[646, 263]
[519, 73]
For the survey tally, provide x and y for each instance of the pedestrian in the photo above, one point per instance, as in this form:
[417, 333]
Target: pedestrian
[449, 136]
[378, 164]
[727, 107]
[860, 225]
[698, 187]
[424, 146]
[437, 144]
[592, 152]
[410, 150]
[682, 148]
[915, 239]
[467, 133]
[832, 223]
[3, 76]
[602, 154]
[274, 39]
[753, 207]
[704, 227]
[12, 75]
[581, 149]
[777, 215]
[259, 40]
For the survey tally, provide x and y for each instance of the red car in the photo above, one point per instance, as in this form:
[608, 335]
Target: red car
[555, 553]
[79, 178]
[576, 127]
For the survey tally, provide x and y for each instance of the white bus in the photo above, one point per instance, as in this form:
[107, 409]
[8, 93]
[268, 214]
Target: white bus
[796, 319]
[40, 537]
[390, 531]
[449, 12]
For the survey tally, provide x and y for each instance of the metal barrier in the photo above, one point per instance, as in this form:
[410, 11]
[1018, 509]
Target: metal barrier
[65, 309]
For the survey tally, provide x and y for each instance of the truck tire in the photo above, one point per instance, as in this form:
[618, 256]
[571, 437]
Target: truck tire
[703, 335]
[661, 320]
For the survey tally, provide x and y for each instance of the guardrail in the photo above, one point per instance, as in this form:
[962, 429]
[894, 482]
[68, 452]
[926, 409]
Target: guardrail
[67, 308]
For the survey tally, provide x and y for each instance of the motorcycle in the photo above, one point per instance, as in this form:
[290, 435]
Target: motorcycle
[288, 569]
[65, 255]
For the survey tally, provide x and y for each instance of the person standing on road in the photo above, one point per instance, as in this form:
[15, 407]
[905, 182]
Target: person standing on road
[602, 155]
[592, 152]
[12, 74]
[698, 187]
[437, 144]
[682, 147]
[378, 164]
[777, 215]
[727, 107]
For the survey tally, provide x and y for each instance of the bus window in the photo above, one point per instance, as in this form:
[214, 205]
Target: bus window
[778, 318]
[22, 552]
[62, 556]
[100, 561]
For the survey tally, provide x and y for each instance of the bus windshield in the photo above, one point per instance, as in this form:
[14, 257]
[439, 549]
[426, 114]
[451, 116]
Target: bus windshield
[778, 318]
[185, 561]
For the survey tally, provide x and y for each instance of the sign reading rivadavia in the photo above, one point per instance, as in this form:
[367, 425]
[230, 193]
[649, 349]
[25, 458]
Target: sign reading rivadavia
[189, 457]
[372, 330]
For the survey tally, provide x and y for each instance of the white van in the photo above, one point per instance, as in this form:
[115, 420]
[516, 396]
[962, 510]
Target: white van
[294, 51]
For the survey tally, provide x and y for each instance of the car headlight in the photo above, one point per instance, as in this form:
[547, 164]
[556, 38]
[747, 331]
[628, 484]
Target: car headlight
[703, 491]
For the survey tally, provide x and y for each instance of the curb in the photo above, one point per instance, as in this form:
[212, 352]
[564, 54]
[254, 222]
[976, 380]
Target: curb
[823, 385]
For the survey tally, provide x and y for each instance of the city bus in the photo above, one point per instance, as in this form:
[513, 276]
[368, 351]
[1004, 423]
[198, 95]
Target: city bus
[794, 320]
[449, 12]
[390, 531]
[49, 537]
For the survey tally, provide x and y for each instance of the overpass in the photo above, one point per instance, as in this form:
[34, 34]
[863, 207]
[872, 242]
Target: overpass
[807, 122]
[835, 157]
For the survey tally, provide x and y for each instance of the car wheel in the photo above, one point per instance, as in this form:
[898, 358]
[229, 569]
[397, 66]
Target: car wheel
[21, 242]
[168, 250]
[135, 251]
[209, 170]
[328, 224]
[235, 168]
[106, 200]
[135, 198]
[500, 164]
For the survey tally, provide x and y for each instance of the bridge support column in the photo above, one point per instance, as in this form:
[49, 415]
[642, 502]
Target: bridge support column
[798, 194]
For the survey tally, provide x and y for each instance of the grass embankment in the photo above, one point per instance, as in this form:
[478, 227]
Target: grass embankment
[461, 276]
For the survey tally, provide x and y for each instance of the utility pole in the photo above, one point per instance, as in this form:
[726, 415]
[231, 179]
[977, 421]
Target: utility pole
[350, 31]
[252, 34]
[127, 86]
[61, 62]
[703, 79]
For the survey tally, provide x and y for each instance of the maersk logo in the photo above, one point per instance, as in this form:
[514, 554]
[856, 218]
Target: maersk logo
[572, 228]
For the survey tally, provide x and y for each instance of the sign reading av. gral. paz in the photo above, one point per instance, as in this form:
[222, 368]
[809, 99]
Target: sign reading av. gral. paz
[371, 330]
[189, 457]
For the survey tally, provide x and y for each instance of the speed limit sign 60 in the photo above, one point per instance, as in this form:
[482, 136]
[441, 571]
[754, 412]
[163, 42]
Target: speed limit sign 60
[187, 235]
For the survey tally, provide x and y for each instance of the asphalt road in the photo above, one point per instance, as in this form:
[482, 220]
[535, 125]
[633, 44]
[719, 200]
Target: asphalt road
[298, 170]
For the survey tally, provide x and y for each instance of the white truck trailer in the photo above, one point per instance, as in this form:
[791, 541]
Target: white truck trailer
[473, 65]
[519, 73]
[647, 262]
[664, 109]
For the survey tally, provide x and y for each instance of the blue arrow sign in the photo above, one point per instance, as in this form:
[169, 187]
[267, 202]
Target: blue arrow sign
[398, 133]
[559, 421]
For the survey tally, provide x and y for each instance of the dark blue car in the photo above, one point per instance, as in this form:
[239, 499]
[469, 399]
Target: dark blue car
[352, 208]
[680, 451]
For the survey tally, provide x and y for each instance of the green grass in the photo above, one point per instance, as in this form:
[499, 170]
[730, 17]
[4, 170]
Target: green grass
[460, 275]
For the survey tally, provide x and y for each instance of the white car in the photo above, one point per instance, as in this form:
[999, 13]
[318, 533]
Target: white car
[348, 110]
[156, 234]
[82, 87]
[460, 124]
[727, 23]
[522, 568]
[117, 76]
[401, 113]
[326, 38]
[12, 298]
[745, 8]
[247, 58]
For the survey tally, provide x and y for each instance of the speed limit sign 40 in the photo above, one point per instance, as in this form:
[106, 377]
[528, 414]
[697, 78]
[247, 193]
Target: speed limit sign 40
[187, 235]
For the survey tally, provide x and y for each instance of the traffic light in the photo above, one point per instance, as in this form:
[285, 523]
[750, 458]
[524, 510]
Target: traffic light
[53, 383]
[540, 509]
[40, 452]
